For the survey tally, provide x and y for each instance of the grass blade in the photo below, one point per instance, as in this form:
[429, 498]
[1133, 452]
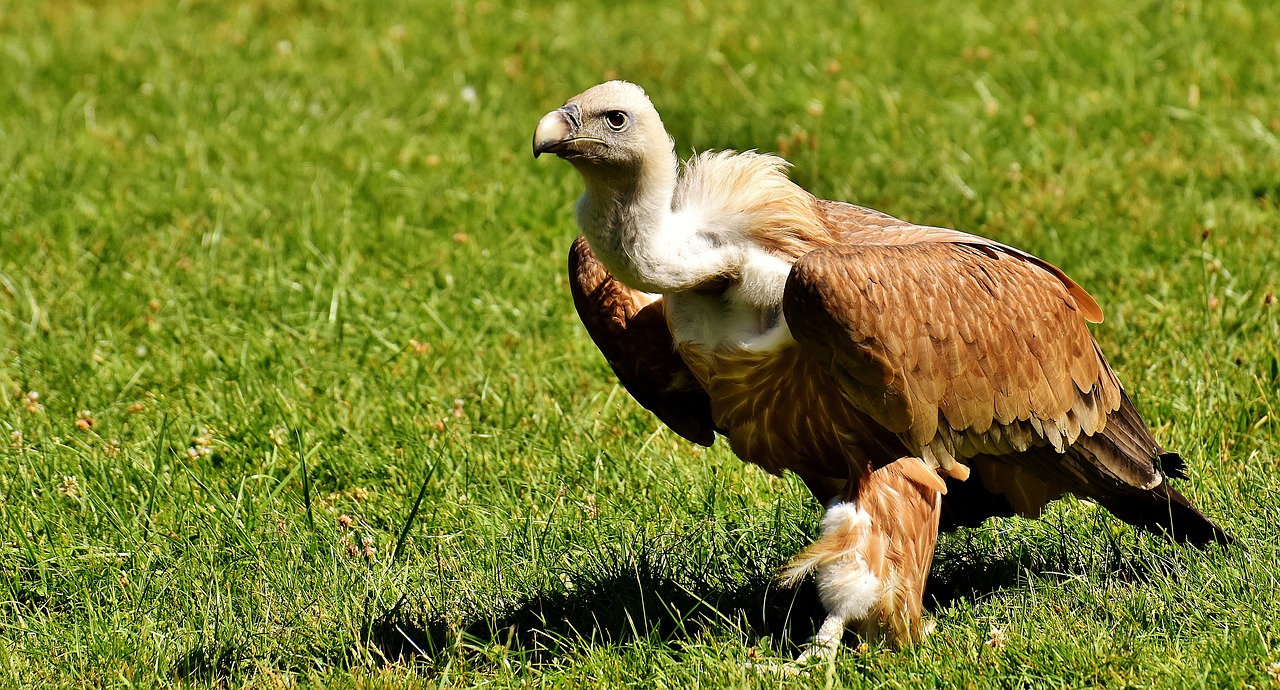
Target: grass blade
[413, 513]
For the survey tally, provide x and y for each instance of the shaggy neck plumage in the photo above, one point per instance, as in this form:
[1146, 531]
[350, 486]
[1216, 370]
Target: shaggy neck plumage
[622, 208]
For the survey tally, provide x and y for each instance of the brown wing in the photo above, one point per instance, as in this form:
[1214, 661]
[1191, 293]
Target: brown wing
[631, 331]
[976, 353]
[960, 349]
[862, 226]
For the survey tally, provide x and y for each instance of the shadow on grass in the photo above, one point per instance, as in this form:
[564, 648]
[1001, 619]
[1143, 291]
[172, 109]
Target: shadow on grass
[613, 610]
[972, 564]
[647, 602]
[655, 593]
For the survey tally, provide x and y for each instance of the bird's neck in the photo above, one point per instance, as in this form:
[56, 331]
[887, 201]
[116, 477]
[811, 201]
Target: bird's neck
[621, 211]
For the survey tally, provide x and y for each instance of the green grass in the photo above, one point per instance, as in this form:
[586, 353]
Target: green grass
[295, 262]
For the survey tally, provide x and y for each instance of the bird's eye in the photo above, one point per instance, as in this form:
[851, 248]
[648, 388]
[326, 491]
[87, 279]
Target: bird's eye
[616, 119]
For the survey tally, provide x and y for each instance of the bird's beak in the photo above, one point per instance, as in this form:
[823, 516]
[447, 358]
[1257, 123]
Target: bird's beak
[555, 130]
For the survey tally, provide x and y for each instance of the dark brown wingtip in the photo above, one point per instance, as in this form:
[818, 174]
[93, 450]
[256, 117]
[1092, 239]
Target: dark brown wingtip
[1172, 465]
[1166, 512]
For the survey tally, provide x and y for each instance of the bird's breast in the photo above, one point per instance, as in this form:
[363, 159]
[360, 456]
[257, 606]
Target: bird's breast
[712, 320]
[781, 411]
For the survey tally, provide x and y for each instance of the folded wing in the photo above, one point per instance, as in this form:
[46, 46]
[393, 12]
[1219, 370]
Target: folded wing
[973, 352]
[958, 348]
[631, 331]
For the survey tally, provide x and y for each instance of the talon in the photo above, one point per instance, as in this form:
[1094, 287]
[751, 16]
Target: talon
[786, 668]
[818, 650]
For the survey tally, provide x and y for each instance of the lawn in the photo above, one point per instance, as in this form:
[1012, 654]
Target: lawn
[292, 391]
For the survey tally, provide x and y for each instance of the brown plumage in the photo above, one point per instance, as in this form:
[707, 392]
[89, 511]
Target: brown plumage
[630, 328]
[901, 498]
[866, 354]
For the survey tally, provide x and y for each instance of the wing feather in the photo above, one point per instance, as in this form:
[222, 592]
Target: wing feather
[957, 347]
[631, 331]
[857, 225]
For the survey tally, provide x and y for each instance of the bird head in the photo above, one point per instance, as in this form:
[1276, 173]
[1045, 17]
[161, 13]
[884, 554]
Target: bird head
[608, 129]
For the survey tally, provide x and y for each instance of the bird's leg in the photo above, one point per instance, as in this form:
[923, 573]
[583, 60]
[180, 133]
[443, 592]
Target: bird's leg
[906, 501]
[825, 644]
[873, 557]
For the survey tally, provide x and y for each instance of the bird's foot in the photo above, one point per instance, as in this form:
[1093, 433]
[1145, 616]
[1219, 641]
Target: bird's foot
[818, 650]
[786, 669]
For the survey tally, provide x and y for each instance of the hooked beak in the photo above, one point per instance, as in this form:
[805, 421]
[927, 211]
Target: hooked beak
[556, 130]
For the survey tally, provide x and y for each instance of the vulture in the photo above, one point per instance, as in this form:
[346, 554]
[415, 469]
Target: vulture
[915, 378]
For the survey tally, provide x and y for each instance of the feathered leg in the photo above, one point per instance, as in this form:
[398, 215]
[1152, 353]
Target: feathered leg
[873, 557]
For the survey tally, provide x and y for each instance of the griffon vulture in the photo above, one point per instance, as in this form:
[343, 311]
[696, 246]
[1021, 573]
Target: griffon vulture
[915, 378]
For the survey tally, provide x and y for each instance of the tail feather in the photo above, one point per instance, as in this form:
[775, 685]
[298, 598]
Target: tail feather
[1126, 458]
[1171, 464]
[1165, 511]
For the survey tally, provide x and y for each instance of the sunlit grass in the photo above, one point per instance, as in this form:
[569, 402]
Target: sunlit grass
[269, 269]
